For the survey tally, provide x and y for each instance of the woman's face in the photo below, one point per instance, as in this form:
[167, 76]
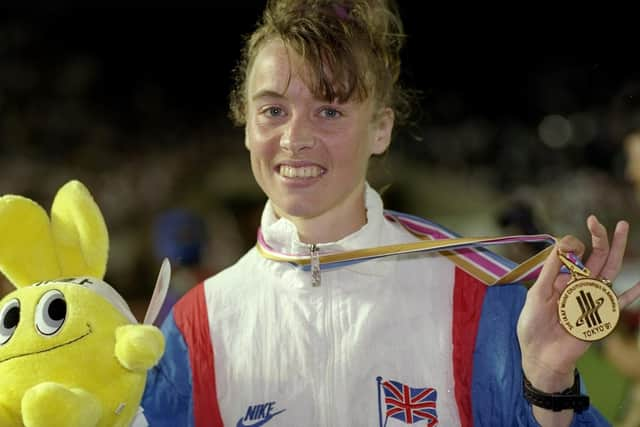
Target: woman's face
[308, 155]
[632, 151]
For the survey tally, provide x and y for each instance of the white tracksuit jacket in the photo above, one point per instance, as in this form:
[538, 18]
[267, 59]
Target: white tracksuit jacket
[257, 344]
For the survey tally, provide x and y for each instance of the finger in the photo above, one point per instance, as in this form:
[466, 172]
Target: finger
[599, 244]
[616, 254]
[544, 285]
[573, 245]
[629, 296]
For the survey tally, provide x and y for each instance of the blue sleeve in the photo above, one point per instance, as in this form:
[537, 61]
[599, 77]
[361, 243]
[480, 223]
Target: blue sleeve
[167, 398]
[496, 390]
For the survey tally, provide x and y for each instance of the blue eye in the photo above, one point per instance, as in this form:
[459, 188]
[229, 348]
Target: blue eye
[51, 312]
[330, 113]
[9, 319]
[274, 111]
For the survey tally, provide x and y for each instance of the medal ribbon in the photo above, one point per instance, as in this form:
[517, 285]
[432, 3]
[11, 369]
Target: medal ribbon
[468, 253]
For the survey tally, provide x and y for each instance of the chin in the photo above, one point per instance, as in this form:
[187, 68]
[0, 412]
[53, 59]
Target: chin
[297, 207]
[297, 211]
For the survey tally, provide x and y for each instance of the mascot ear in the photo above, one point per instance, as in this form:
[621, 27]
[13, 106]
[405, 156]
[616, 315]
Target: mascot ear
[79, 232]
[27, 252]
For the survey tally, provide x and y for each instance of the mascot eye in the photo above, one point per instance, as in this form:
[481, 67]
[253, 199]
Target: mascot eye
[51, 312]
[9, 319]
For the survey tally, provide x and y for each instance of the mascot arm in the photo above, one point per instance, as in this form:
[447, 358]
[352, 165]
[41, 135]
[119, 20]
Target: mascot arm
[139, 347]
[50, 404]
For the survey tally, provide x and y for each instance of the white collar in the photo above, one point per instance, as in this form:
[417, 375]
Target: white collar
[282, 235]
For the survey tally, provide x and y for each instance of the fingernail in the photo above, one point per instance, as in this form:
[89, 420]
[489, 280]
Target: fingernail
[622, 225]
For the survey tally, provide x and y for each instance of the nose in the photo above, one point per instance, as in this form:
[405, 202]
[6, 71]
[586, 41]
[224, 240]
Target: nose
[297, 136]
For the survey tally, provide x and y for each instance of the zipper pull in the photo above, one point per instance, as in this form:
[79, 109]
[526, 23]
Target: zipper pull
[315, 265]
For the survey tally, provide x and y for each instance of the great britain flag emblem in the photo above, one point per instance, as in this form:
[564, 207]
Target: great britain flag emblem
[410, 405]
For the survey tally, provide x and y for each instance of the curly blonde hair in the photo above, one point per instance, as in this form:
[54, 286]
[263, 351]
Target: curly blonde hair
[352, 49]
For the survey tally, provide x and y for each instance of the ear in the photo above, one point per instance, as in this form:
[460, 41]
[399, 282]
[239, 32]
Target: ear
[27, 251]
[383, 126]
[79, 232]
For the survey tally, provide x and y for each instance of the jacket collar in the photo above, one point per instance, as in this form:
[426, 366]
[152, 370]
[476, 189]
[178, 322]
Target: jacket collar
[281, 234]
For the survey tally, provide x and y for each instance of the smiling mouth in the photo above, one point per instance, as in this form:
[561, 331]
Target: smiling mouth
[15, 356]
[305, 172]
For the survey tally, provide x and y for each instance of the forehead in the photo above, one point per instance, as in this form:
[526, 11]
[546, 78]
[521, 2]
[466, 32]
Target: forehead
[274, 68]
[279, 71]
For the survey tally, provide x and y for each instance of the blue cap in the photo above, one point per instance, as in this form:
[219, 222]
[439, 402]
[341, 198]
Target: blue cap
[180, 236]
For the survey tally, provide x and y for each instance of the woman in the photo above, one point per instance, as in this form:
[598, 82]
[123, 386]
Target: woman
[390, 341]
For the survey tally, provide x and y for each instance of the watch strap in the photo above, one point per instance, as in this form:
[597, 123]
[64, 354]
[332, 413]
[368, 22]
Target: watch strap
[567, 399]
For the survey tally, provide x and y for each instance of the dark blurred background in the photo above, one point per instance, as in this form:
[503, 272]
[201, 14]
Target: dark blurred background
[513, 131]
[517, 129]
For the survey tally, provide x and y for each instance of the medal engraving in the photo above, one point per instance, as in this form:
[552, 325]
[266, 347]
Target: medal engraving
[588, 308]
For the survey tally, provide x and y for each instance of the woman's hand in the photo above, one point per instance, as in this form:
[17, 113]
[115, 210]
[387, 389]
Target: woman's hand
[549, 352]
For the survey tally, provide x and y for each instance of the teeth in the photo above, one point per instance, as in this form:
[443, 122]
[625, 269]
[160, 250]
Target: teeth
[303, 172]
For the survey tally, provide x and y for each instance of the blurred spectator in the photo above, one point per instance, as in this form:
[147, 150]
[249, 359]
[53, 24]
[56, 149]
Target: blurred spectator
[519, 218]
[182, 237]
[622, 349]
[624, 131]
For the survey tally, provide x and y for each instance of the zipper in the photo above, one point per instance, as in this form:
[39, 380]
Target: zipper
[330, 377]
[328, 407]
[314, 254]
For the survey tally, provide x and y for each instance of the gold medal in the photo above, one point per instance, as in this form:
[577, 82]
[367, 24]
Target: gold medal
[588, 308]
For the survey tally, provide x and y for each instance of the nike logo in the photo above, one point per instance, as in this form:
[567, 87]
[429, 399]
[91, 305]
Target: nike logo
[261, 422]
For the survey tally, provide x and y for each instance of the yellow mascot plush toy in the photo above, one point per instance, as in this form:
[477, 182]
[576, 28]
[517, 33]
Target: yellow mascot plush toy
[71, 352]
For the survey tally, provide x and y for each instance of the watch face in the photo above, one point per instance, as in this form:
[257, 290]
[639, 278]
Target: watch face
[588, 309]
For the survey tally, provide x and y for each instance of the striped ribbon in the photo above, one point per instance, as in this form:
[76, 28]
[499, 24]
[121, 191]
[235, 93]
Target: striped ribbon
[468, 253]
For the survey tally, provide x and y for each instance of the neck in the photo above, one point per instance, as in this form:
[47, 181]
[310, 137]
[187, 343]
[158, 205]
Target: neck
[332, 225]
[323, 230]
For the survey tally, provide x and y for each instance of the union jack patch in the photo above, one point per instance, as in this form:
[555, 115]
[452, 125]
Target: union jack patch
[409, 405]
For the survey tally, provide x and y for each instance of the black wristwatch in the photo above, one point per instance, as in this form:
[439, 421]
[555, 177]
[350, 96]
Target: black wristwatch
[567, 399]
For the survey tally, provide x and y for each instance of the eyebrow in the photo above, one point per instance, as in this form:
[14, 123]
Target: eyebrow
[267, 93]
